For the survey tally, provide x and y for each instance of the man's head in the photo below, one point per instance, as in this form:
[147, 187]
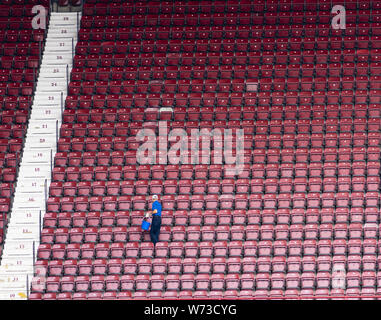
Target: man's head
[155, 197]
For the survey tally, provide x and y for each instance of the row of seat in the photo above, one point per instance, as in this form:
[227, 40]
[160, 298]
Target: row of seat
[19, 62]
[242, 32]
[87, 114]
[277, 281]
[189, 281]
[266, 20]
[122, 104]
[317, 95]
[149, 43]
[211, 107]
[274, 140]
[90, 78]
[221, 263]
[16, 102]
[214, 202]
[303, 147]
[306, 225]
[19, 49]
[8, 171]
[202, 81]
[266, 233]
[329, 155]
[217, 266]
[366, 250]
[174, 43]
[194, 187]
[212, 93]
[282, 126]
[261, 126]
[284, 172]
[270, 119]
[306, 294]
[17, 75]
[360, 20]
[298, 11]
[232, 21]
[5, 206]
[271, 134]
[239, 58]
[328, 172]
[360, 128]
[22, 35]
[214, 74]
[365, 247]
[229, 58]
[17, 3]
[266, 98]
[127, 295]
[257, 175]
[262, 281]
[12, 130]
[11, 145]
[6, 190]
[20, 10]
[102, 186]
[220, 5]
[16, 88]
[210, 84]
[190, 7]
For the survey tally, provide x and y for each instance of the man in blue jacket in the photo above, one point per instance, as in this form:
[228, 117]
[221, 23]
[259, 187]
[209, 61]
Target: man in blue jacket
[156, 219]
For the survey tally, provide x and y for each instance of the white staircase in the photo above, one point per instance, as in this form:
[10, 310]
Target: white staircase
[23, 234]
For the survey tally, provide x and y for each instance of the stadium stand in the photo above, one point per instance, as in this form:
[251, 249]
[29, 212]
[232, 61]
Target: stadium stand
[304, 210]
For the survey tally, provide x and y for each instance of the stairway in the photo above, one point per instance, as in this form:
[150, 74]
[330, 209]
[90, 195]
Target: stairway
[23, 234]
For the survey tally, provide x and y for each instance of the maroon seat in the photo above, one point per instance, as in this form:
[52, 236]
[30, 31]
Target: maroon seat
[304, 200]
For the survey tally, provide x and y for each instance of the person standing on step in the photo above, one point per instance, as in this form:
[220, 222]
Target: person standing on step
[156, 219]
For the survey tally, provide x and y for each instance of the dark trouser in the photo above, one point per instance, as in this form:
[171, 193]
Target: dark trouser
[155, 229]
